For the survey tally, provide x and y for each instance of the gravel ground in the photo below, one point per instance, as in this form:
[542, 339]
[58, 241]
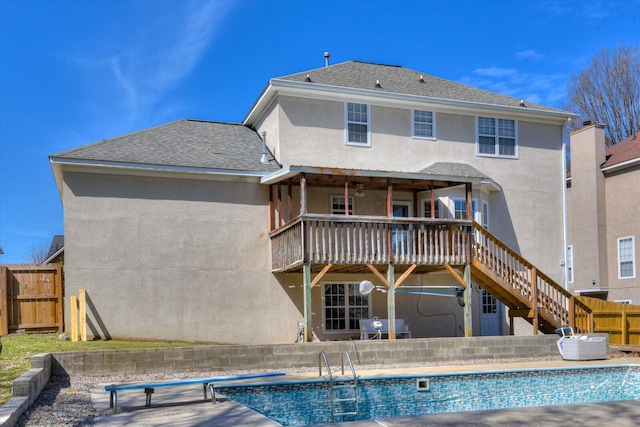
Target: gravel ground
[66, 401]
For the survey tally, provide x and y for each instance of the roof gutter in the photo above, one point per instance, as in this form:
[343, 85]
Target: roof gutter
[621, 165]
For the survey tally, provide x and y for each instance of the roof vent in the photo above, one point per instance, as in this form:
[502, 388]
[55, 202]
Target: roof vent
[307, 79]
[378, 83]
[587, 123]
[522, 104]
[326, 59]
[421, 79]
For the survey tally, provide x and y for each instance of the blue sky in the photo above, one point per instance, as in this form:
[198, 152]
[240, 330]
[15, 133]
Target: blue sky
[74, 72]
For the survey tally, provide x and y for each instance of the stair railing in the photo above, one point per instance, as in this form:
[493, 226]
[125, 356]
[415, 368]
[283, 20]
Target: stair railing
[525, 280]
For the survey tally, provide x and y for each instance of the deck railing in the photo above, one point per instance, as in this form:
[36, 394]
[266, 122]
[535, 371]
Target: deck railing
[357, 240]
[370, 240]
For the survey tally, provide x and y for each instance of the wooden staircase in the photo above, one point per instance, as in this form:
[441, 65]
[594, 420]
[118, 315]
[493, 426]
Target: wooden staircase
[519, 285]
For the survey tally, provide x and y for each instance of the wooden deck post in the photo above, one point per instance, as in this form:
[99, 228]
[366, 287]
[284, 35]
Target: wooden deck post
[303, 194]
[467, 293]
[534, 300]
[306, 273]
[391, 301]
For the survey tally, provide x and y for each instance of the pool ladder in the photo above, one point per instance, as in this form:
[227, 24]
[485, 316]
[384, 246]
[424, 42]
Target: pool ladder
[343, 389]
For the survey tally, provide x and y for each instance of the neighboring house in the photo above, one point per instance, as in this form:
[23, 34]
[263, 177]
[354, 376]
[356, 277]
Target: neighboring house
[603, 211]
[206, 231]
[56, 251]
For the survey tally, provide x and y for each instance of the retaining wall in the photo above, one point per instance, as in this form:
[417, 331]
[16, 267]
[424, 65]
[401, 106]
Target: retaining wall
[26, 389]
[246, 357]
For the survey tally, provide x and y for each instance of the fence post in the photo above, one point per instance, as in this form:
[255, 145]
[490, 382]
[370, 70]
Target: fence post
[4, 314]
[59, 292]
[624, 328]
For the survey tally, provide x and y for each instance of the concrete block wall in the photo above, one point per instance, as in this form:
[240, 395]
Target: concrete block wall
[283, 356]
[26, 389]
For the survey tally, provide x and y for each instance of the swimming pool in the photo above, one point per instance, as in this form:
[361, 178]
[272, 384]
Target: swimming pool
[307, 402]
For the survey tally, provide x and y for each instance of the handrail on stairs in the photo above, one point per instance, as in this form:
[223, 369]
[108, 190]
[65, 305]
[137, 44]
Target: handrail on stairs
[529, 284]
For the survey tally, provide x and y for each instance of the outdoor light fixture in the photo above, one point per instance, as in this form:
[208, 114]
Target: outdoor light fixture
[359, 190]
[460, 297]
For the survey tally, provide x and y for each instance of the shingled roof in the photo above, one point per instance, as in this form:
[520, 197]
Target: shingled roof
[183, 143]
[624, 151]
[401, 80]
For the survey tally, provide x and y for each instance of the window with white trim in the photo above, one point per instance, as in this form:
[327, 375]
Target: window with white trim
[337, 205]
[423, 124]
[626, 258]
[460, 208]
[570, 264]
[344, 306]
[485, 215]
[497, 137]
[426, 208]
[357, 131]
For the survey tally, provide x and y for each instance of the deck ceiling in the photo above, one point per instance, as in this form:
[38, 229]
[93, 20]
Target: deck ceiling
[363, 269]
[372, 183]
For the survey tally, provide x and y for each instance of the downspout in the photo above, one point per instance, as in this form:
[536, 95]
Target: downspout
[565, 234]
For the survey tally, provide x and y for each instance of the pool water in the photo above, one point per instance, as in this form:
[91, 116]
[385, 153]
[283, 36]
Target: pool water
[307, 403]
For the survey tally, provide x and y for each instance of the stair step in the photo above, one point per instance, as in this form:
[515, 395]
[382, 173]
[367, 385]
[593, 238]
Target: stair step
[346, 399]
[341, 414]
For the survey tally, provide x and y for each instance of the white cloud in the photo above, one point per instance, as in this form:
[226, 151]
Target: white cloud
[494, 72]
[135, 70]
[545, 89]
[529, 54]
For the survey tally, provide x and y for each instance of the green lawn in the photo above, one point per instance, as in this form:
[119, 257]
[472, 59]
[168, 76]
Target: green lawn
[17, 348]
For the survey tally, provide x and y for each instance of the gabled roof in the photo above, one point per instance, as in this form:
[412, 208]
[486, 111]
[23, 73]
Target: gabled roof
[392, 82]
[623, 152]
[193, 144]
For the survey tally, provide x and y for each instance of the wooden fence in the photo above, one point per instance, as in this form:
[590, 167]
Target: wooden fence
[620, 321]
[31, 298]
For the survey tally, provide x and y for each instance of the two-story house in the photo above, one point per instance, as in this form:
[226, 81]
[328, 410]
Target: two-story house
[350, 173]
[603, 205]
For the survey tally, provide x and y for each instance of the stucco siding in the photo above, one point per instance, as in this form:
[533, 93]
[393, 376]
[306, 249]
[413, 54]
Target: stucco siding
[176, 258]
[623, 220]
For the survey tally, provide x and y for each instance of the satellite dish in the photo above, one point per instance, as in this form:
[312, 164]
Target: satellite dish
[366, 287]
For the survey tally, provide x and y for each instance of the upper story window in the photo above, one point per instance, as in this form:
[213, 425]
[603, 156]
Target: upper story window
[626, 258]
[357, 130]
[460, 209]
[337, 205]
[497, 137]
[423, 124]
[426, 208]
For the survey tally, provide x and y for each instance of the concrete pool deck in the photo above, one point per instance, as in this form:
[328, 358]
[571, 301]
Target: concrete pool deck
[184, 406]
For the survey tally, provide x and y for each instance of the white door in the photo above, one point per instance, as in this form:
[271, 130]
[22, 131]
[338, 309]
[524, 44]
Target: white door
[490, 314]
[400, 234]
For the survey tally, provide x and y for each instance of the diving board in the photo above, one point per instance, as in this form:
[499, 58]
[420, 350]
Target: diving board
[149, 387]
